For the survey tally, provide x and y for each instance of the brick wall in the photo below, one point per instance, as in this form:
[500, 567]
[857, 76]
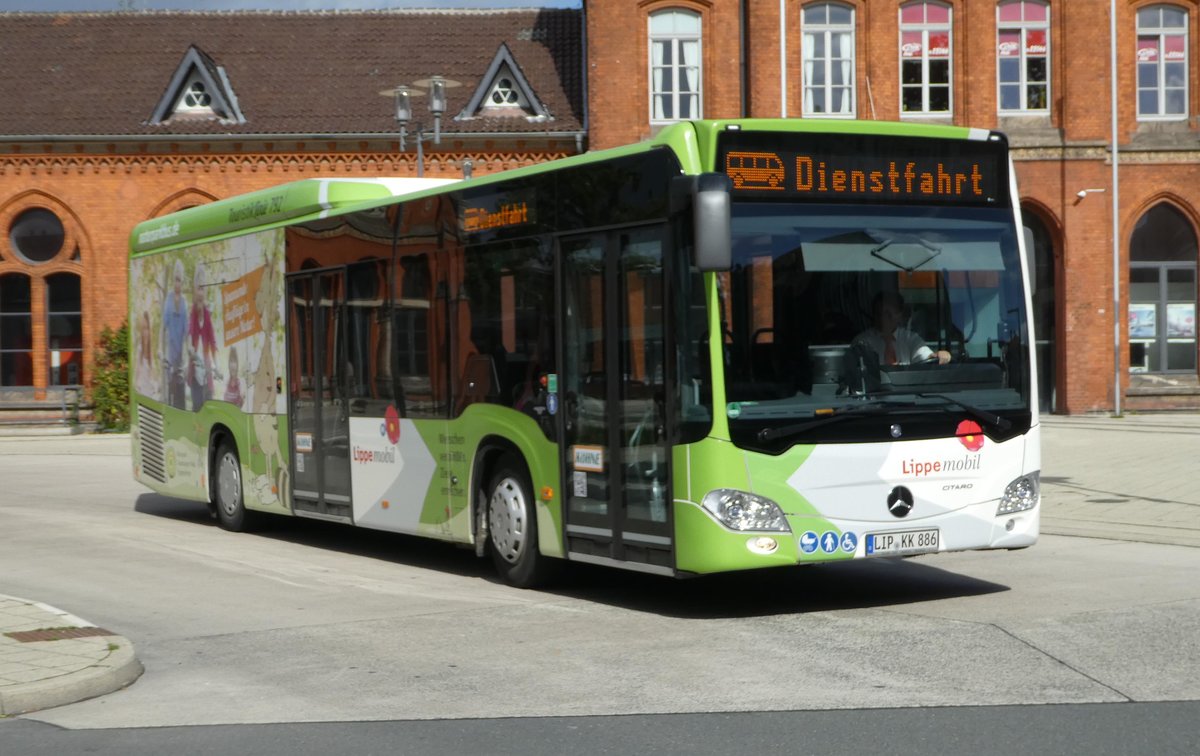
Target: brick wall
[1056, 155]
[101, 195]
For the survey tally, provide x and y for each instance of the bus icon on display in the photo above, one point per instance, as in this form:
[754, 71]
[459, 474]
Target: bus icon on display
[754, 170]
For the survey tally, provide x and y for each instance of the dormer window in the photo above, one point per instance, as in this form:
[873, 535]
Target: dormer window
[504, 92]
[199, 89]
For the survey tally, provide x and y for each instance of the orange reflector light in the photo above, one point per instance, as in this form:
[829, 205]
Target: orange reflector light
[547, 493]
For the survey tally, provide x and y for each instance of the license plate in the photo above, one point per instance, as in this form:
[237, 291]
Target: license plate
[903, 542]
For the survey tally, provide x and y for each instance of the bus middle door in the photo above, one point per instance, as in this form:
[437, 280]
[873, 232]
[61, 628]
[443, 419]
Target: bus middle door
[317, 406]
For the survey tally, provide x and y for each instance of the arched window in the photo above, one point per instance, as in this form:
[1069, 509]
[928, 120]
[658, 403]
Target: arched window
[1023, 56]
[675, 65]
[925, 57]
[1162, 293]
[41, 308]
[16, 331]
[827, 55]
[1162, 63]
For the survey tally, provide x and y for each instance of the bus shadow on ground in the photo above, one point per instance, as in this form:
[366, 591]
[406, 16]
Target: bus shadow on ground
[859, 584]
[397, 548]
[753, 593]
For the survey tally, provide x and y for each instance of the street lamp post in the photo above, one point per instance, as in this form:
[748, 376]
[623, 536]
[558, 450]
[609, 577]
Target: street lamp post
[403, 95]
[1116, 207]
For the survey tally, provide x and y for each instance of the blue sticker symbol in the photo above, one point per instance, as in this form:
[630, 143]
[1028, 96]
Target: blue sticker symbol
[552, 403]
[382, 430]
[808, 542]
[849, 542]
[829, 542]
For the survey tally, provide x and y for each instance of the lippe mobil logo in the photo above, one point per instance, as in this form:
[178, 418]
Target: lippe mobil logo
[970, 435]
[389, 429]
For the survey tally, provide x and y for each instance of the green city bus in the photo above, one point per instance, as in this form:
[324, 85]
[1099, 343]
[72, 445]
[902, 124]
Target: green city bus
[667, 357]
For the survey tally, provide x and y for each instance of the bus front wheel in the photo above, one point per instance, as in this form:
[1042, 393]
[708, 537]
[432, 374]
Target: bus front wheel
[512, 526]
[227, 489]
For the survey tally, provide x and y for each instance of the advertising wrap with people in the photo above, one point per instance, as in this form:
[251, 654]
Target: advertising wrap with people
[209, 328]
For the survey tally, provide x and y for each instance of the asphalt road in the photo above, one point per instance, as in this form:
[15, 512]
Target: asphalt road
[311, 634]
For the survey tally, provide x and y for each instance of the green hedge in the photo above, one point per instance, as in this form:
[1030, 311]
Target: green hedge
[110, 379]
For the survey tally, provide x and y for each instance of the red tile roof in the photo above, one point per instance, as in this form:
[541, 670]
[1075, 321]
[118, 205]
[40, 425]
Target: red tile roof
[293, 73]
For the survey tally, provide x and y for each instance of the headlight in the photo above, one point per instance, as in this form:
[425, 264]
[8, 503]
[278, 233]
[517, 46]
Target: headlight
[1020, 495]
[745, 511]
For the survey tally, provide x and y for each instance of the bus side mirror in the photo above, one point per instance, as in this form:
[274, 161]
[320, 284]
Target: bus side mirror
[1030, 259]
[711, 210]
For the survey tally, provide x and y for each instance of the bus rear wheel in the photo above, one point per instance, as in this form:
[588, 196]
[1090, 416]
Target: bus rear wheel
[227, 490]
[512, 526]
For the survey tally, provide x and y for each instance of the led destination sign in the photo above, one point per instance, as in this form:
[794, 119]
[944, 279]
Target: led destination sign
[482, 219]
[863, 168]
[496, 211]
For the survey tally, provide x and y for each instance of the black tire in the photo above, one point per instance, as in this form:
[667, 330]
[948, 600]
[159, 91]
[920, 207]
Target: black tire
[227, 490]
[512, 526]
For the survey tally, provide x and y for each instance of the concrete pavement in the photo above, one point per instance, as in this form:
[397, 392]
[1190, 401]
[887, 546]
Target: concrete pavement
[50, 658]
[1130, 478]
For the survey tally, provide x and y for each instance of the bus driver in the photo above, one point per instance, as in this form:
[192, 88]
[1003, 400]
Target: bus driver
[890, 340]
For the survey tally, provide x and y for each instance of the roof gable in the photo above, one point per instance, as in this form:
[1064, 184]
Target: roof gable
[199, 88]
[301, 74]
[504, 91]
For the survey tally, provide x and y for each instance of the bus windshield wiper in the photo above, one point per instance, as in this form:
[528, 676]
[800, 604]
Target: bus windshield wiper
[830, 416]
[991, 418]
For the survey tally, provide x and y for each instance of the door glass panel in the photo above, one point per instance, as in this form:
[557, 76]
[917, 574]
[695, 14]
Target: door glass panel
[302, 369]
[335, 426]
[584, 383]
[642, 388]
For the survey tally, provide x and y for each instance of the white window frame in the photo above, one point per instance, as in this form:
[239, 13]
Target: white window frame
[826, 31]
[1159, 34]
[675, 40]
[1023, 28]
[925, 28]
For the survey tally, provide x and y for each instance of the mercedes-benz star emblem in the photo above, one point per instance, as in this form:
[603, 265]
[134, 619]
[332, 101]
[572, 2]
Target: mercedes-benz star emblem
[900, 501]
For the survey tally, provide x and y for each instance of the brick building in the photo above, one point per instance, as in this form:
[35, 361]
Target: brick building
[104, 126]
[114, 118]
[1038, 71]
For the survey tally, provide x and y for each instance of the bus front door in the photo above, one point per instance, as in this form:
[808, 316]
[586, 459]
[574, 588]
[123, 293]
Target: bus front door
[317, 406]
[616, 462]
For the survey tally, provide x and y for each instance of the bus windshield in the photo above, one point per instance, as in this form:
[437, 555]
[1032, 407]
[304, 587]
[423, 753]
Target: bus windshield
[844, 321]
